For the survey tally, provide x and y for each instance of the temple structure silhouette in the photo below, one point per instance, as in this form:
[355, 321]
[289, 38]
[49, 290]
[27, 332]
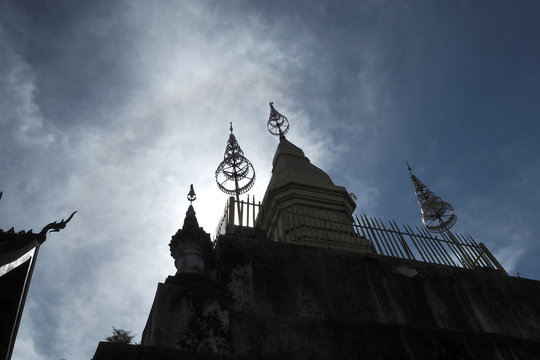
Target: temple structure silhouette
[18, 255]
[299, 276]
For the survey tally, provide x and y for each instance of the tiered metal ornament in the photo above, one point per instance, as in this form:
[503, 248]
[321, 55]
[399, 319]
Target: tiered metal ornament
[235, 175]
[191, 196]
[438, 216]
[277, 124]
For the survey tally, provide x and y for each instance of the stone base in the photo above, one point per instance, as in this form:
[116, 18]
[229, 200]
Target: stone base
[189, 312]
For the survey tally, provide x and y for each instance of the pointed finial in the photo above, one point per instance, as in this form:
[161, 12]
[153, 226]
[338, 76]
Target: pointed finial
[277, 124]
[235, 169]
[191, 196]
[438, 216]
[408, 167]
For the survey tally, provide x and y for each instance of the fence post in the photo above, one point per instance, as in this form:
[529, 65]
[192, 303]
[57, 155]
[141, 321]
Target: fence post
[492, 258]
[230, 220]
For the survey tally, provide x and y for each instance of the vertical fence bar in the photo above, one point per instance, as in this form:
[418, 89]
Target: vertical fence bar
[396, 239]
[421, 245]
[413, 240]
[247, 211]
[427, 244]
[465, 254]
[492, 258]
[253, 209]
[230, 225]
[367, 237]
[455, 251]
[382, 239]
[404, 244]
[442, 246]
[482, 256]
[477, 257]
[384, 233]
[435, 245]
[485, 257]
[418, 243]
[468, 250]
[368, 228]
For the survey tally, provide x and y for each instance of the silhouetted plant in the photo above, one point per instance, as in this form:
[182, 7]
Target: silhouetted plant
[120, 336]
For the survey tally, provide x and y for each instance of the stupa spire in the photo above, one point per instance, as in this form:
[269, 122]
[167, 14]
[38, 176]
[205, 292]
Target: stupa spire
[438, 216]
[302, 205]
[235, 175]
[191, 245]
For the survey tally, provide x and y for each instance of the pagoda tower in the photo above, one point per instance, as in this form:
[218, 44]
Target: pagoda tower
[302, 205]
[280, 290]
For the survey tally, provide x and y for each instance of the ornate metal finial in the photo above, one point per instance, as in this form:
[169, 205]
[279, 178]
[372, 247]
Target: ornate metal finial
[235, 175]
[438, 216]
[277, 123]
[191, 196]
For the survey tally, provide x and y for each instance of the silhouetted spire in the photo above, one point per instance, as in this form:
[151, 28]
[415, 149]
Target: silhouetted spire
[235, 175]
[191, 245]
[438, 216]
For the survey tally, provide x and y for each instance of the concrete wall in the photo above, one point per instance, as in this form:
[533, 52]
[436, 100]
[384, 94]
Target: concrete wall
[326, 302]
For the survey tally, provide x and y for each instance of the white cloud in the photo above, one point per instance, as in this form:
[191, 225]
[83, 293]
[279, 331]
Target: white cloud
[21, 116]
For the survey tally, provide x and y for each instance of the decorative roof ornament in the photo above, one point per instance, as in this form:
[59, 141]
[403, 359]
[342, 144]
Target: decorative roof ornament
[235, 175]
[438, 216]
[277, 124]
[15, 250]
[191, 196]
[14, 244]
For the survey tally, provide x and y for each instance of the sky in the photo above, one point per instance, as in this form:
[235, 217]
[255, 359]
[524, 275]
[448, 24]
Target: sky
[113, 108]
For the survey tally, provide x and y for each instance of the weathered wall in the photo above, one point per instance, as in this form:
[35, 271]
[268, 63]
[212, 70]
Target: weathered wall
[288, 297]
[281, 301]
[189, 312]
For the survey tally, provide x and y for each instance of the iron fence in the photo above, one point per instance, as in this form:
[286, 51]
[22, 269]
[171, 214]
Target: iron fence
[388, 239]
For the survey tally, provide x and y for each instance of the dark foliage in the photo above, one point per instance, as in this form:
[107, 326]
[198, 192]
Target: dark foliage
[120, 336]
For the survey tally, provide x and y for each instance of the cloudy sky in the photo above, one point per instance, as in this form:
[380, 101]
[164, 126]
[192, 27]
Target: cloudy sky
[112, 108]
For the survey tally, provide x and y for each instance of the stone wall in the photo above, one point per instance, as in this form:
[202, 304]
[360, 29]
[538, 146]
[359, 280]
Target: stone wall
[284, 301]
[327, 302]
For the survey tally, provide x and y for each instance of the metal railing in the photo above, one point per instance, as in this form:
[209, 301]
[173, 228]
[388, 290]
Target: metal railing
[245, 217]
[448, 249]
[445, 249]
